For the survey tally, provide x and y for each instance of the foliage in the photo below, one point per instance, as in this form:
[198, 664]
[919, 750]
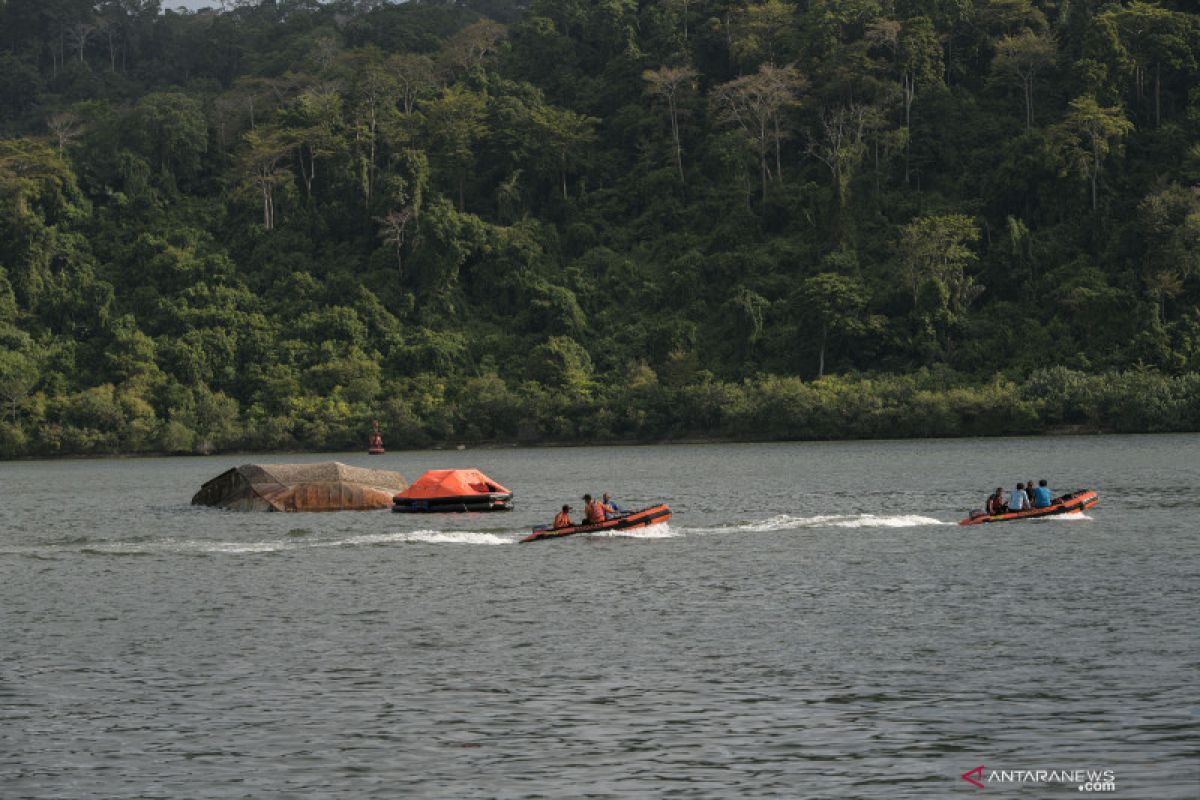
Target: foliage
[270, 225]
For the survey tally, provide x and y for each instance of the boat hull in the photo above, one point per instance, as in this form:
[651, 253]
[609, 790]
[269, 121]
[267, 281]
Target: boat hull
[636, 519]
[453, 505]
[1073, 503]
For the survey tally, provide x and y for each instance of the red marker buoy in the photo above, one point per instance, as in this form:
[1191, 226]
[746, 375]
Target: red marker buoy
[375, 442]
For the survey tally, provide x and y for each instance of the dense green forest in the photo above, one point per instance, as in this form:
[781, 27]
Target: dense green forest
[269, 225]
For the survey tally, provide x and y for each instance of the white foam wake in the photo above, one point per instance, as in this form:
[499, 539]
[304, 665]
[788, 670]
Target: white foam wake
[426, 537]
[788, 522]
[1078, 516]
[660, 531]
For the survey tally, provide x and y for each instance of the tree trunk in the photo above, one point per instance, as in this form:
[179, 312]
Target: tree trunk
[762, 156]
[1157, 94]
[304, 172]
[910, 90]
[1028, 102]
[762, 163]
[821, 359]
[675, 135]
[1095, 177]
[778, 155]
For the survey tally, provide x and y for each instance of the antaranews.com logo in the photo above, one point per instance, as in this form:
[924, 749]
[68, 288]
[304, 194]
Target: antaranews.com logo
[1087, 780]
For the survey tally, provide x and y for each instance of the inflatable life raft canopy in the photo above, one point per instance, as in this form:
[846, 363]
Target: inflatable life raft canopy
[454, 490]
[327, 486]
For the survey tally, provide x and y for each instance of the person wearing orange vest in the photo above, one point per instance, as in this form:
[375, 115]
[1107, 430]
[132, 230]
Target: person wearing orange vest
[592, 511]
[563, 518]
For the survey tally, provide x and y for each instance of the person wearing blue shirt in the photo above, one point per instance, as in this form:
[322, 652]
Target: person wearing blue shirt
[611, 509]
[1042, 498]
[1018, 500]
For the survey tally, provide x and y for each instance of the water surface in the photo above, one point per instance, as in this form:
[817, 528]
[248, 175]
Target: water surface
[810, 623]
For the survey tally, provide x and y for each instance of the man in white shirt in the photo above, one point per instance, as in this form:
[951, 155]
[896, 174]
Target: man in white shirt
[1018, 500]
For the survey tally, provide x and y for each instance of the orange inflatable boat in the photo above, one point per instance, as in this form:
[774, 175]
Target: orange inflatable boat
[637, 519]
[1073, 503]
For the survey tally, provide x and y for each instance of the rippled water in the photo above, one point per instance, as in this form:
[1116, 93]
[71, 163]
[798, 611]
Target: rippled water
[810, 623]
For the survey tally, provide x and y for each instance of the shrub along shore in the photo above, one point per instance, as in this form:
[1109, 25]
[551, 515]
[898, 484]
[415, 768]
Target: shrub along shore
[485, 410]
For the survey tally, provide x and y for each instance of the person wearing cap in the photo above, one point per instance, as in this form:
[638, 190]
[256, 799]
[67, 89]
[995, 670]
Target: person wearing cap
[563, 518]
[593, 512]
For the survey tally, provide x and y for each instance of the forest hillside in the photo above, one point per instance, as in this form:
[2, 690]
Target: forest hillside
[269, 225]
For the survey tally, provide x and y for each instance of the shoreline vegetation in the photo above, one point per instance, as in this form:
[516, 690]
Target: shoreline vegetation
[485, 413]
[267, 226]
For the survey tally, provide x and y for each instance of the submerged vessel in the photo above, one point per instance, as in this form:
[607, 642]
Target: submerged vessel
[1073, 503]
[328, 486]
[454, 491]
[636, 519]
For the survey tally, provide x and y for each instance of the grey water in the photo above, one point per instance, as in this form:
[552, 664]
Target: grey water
[811, 623]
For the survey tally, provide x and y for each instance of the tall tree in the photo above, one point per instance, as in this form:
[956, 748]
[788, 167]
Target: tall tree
[1020, 58]
[669, 84]
[173, 131]
[472, 46]
[755, 104]
[393, 230]
[840, 144]
[314, 124]
[1156, 38]
[455, 122]
[1088, 134]
[760, 30]
[937, 247]
[565, 137]
[833, 302]
[414, 74]
[262, 165]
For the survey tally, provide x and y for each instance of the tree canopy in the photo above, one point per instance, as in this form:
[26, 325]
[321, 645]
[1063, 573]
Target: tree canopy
[270, 224]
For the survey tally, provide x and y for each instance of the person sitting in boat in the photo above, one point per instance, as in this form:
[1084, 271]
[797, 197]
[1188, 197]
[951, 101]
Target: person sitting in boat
[593, 512]
[995, 504]
[1018, 501]
[1042, 497]
[611, 509]
[563, 518]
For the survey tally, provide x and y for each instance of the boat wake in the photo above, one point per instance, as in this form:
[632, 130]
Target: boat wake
[291, 544]
[660, 531]
[443, 537]
[788, 522]
[299, 540]
[1078, 517]
[416, 537]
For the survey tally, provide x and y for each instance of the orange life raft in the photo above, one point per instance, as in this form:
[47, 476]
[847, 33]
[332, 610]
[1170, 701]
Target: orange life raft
[453, 490]
[1073, 503]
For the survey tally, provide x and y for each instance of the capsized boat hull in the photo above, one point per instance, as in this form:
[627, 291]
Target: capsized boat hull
[636, 519]
[1072, 503]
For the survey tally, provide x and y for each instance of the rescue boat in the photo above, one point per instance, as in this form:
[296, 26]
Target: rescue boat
[635, 519]
[1073, 503]
[453, 491]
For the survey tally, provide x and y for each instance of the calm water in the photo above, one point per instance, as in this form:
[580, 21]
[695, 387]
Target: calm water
[810, 623]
